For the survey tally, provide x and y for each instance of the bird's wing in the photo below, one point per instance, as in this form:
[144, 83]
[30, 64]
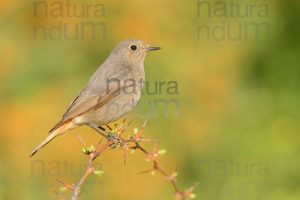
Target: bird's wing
[85, 101]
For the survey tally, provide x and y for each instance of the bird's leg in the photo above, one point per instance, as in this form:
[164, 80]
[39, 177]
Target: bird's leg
[98, 131]
[115, 140]
[108, 127]
[103, 129]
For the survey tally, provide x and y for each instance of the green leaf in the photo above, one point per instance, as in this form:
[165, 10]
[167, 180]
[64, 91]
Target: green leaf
[91, 148]
[84, 150]
[98, 173]
[162, 152]
[192, 196]
[63, 188]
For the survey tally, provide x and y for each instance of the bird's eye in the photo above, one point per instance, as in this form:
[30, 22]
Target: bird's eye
[133, 47]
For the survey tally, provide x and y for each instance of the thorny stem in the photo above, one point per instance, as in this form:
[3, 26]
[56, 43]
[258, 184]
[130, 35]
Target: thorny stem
[157, 167]
[114, 141]
[89, 170]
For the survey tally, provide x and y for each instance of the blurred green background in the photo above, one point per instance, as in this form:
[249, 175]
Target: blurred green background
[237, 132]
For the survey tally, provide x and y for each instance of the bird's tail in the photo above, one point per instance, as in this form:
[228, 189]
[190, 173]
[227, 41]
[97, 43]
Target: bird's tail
[53, 134]
[48, 139]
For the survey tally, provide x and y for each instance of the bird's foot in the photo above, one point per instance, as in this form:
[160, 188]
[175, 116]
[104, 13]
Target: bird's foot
[115, 141]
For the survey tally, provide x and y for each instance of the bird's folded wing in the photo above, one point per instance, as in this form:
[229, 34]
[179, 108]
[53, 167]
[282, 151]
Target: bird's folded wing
[86, 101]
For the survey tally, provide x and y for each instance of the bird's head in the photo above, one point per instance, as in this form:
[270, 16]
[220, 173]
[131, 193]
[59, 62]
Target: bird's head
[133, 51]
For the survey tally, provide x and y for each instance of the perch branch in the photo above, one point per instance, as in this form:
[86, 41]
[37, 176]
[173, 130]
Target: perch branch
[115, 140]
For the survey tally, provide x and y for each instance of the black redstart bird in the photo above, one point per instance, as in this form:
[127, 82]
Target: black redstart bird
[112, 91]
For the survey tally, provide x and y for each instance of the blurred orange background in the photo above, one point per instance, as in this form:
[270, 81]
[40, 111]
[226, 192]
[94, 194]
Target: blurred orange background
[238, 100]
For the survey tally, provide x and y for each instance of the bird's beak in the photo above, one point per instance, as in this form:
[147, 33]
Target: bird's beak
[153, 48]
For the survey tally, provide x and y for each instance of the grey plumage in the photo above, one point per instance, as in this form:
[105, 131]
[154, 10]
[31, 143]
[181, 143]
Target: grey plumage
[104, 99]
